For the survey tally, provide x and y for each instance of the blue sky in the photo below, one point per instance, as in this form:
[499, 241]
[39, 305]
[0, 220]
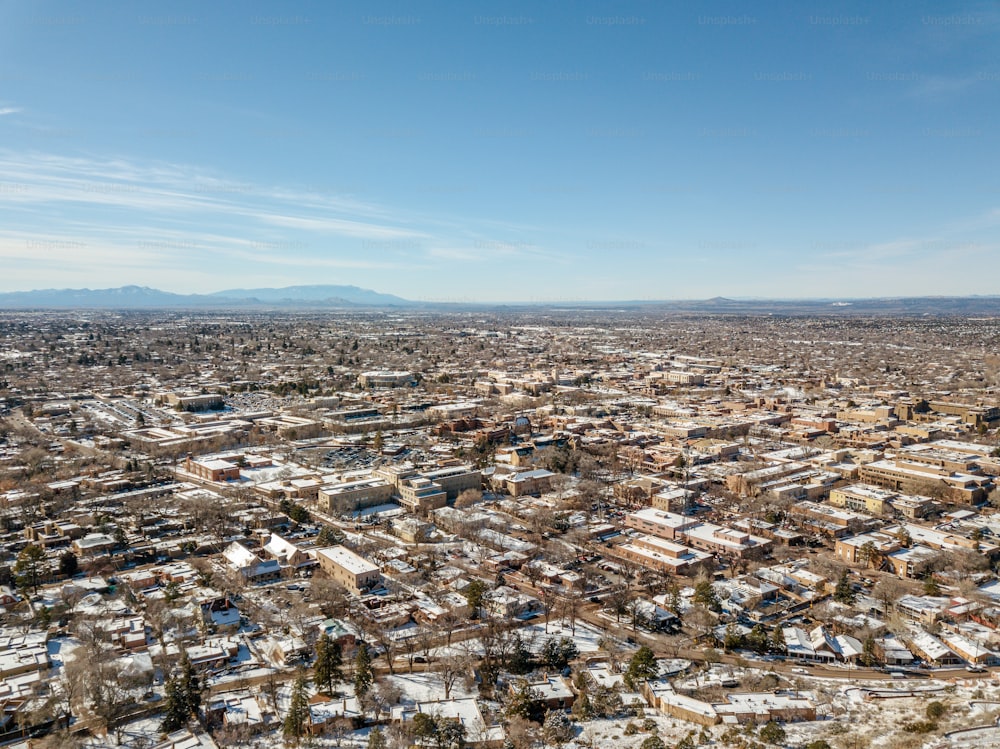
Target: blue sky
[463, 151]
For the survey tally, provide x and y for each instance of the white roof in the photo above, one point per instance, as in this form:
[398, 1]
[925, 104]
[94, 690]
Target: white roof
[660, 517]
[929, 645]
[279, 547]
[347, 559]
[466, 711]
[239, 555]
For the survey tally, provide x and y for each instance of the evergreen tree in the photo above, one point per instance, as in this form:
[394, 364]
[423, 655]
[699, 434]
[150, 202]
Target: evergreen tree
[605, 702]
[376, 739]
[329, 659]
[558, 653]
[778, 644]
[581, 707]
[686, 743]
[438, 731]
[524, 701]
[844, 593]
[175, 709]
[327, 536]
[640, 668]
[704, 594]
[183, 696]
[674, 599]
[297, 719]
[869, 657]
[28, 567]
[520, 660]
[557, 728]
[450, 733]
[757, 639]
[732, 639]
[364, 677]
[190, 685]
[424, 726]
[772, 733]
[474, 595]
[68, 564]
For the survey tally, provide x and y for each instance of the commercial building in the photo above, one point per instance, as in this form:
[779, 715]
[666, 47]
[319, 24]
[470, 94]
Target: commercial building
[660, 523]
[351, 570]
[383, 378]
[192, 402]
[213, 470]
[292, 427]
[715, 539]
[454, 480]
[421, 495]
[827, 520]
[861, 498]
[659, 554]
[910, 476]
[351, 496]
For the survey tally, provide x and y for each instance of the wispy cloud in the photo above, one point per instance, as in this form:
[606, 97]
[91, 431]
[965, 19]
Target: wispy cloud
[454, 253]
[9, 110]
[921, 264]
[119, 214]
[340, 226]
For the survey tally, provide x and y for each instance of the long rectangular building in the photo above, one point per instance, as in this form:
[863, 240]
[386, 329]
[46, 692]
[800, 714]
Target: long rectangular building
[715, 539]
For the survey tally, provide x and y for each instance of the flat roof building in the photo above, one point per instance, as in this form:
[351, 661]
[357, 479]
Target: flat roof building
[384, 378]
[351, 570]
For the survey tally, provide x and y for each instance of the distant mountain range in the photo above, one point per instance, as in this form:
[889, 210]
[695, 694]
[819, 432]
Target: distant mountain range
[143, 297]
[353, 297]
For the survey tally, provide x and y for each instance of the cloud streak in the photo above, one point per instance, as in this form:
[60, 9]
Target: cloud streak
[121, 214]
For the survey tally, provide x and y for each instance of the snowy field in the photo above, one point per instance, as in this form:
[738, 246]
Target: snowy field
[880, 723]
[426, 687]
[586, 637]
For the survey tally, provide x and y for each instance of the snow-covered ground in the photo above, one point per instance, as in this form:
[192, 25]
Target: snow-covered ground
[611, 732]
[880, 723]
[426, 687]
[586, 637]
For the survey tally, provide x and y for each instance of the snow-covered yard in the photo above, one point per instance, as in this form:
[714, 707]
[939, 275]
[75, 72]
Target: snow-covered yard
[586, 637]
[426, 687]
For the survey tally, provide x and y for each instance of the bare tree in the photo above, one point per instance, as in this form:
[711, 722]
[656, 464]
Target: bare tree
[104, 688]
[410, 646]
[521, 732]
[450, 669]
[570, 606]
[618, 600]
[376, 632]
[468, 498]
